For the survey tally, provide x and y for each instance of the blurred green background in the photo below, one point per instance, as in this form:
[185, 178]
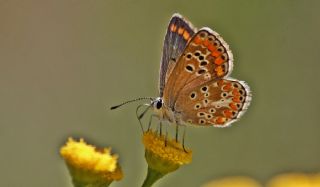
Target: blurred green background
[64, 63]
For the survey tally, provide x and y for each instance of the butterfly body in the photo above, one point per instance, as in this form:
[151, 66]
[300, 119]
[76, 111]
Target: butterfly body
[195, 87]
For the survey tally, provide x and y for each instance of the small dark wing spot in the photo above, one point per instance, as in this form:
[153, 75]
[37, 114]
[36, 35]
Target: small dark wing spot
[189, 68]
[203, 63]
[193, 95]
[204, 88]
[201, 71]
[202, 35]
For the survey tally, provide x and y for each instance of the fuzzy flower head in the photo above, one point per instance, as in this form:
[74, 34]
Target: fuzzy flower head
[234, 181]
[87, 165]
[295, 180]
[164, 155]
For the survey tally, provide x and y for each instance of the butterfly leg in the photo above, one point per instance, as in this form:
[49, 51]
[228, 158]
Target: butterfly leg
[150, 120]
[184, 134]
[166, 138]
[177, 132]
[160, 126]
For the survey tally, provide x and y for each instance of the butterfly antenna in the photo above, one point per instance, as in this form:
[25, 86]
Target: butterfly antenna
[130, 101]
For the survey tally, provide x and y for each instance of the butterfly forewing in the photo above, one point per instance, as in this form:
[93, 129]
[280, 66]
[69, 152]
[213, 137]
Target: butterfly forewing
[179, 32]
[216, 103]
[206, 57]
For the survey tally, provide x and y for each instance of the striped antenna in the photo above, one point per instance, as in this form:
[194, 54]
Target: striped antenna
[130, 101]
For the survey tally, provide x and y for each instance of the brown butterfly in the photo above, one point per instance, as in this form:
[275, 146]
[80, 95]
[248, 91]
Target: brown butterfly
[195, 87]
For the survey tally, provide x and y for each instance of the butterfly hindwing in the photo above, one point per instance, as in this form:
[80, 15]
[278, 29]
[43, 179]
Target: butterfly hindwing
[206, 57]
[217, 103]
[179, 33]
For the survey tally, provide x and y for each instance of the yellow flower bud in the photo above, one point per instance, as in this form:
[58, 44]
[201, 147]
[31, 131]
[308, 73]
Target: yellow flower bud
[89, 166]
[235, 181]
[163, 156]
[295, 180]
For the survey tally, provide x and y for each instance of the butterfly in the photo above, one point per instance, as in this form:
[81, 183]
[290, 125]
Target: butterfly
[194, 83]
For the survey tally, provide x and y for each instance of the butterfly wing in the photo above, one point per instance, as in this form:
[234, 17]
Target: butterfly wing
[216, 102]
[179, 32]
[206, 57]
[198, 88]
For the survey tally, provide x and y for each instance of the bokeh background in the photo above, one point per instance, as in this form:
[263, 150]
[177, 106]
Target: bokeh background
[64, 63]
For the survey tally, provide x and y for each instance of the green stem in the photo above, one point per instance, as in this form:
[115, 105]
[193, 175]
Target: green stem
[152, 177]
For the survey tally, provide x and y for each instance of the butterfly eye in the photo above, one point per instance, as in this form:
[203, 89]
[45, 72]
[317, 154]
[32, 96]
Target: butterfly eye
[159, 104]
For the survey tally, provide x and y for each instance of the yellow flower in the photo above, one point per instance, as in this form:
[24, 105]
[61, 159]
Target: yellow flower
[163, 156]
[236, 181]
[89, 166]
[295, 180]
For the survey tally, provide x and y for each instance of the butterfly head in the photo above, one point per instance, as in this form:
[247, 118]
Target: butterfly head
[157, 103]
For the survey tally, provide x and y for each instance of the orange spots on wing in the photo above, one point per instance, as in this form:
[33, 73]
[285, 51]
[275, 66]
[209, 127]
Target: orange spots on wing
[233, 106]
[218, 60]
[219, 71]
[206, 43]
[220, 120]
[173, 28]
[180, 30]
[186, 35]
[215, 53]
[227, 87]
[197, 40]
[236, 92]
[211, 47]
[236, 99]
[227, 113]
[220, 83]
